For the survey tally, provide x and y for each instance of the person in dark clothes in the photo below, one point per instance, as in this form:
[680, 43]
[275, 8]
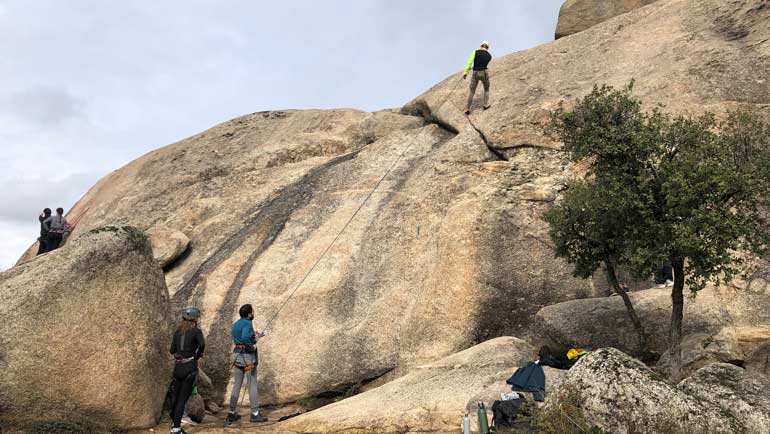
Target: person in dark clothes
[43, 240]
[56, 226]
[665, 275]
[479, 61]
[187, 346]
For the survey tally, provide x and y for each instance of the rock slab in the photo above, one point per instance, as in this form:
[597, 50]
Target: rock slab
[433, 398]
[86, 330]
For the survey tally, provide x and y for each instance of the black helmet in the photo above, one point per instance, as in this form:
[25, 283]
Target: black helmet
[191, 313]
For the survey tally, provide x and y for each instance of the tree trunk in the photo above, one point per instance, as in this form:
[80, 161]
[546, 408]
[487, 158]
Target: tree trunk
[677, 313]
[612, 278]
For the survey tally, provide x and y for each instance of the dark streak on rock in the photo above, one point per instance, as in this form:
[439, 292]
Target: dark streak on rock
[267, 221]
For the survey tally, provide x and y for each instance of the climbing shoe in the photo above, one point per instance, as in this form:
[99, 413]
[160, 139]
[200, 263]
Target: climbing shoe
[232, 418]
[257, 418]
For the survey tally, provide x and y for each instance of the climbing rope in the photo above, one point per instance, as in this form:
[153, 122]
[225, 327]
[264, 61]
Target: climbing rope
[368, 196]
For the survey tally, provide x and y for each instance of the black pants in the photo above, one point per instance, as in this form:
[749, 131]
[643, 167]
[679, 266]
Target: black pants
[184, 380]
[42, 244]
[665, 272]
[53, 242]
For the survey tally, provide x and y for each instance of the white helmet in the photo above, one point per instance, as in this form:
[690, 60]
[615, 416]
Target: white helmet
[485, 44]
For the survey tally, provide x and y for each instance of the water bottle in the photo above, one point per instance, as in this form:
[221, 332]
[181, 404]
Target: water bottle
[466, 424]
[483, 422]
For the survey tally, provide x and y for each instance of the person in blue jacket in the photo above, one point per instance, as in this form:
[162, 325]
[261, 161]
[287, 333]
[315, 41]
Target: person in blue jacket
[245, 361]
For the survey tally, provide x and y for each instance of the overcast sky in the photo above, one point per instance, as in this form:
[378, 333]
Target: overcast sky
[89, 85]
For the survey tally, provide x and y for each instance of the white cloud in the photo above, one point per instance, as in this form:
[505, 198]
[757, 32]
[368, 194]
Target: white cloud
[43, 106]
[16, 239]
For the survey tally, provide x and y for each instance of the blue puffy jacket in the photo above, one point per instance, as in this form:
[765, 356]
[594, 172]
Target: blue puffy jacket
[243, 334]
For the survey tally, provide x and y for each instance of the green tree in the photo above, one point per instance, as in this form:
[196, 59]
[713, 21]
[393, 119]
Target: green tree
[690, 190]
[588, 227]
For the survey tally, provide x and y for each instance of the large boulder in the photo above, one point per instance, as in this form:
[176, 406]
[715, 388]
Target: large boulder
[86, 331]
[603, 322]
[451, 249]
[621, 395]
[432, 398]
[699, 350]
[167, 244]
[734, 345]
[742, 397]
[578, 15]
[759, 361]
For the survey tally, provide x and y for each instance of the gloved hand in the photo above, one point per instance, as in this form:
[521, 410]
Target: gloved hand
[464, 75]
[261, 334]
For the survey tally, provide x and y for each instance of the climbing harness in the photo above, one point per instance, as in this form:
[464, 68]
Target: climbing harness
[244, 366]
[368, 196]
[65, 234]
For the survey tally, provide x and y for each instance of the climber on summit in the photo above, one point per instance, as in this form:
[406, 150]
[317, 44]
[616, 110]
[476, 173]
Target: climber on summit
[187, 346]
[43, 240]
[479, 61]
[245, 361]
[56, 226]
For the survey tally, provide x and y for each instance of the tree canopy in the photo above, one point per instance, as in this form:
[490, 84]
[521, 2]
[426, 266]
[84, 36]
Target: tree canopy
[687, 189]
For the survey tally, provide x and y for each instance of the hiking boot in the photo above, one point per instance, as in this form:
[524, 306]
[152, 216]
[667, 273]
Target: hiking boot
[669, 283]
[232, 418]
[181, 431]
[257, 418]
[188, 421]
[660, 285]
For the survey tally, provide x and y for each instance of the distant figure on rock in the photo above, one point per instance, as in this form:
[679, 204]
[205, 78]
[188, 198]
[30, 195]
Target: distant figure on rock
[479, 61]
[245, 361]
[43, 239]
[55, 226]
[187, 346]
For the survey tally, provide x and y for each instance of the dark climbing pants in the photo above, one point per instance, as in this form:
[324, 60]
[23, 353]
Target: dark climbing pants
[42, 246]
[184, 381]
[53, 242]
[483, 77]
[664, 273]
